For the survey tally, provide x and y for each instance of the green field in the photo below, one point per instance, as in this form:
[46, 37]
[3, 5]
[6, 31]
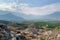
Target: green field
[50, 24]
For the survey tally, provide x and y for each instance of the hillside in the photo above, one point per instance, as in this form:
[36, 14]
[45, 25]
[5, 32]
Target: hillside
[10, 17]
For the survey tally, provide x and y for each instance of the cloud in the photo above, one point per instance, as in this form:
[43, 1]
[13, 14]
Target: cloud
[6, 7]
[45, 10]
[28, 10]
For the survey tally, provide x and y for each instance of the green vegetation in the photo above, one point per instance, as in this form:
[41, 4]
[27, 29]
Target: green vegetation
[50, 24]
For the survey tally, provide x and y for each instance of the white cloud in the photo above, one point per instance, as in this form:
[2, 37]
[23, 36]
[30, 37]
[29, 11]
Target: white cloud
[26, 9]
[6, 7]
[45, 10]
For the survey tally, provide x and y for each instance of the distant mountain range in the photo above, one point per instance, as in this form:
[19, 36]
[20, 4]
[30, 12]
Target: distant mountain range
[54, 16]
[11, 17]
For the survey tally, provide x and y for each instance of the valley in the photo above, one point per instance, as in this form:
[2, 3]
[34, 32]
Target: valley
[30, 31]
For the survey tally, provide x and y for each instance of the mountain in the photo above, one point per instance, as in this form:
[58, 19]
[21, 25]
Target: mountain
[13, 16]
[54, 16]
[10, 17]
[50, 17]
[27, 17]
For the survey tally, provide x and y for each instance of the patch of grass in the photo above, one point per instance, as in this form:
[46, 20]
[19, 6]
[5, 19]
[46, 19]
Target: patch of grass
[50, 24]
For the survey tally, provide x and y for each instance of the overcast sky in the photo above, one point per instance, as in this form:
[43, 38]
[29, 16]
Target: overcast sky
[30, 7]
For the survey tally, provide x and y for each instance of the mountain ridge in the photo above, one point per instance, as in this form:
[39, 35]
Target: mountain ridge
[10, 17]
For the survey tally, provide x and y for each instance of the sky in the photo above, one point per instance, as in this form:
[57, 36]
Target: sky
[30, 7]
